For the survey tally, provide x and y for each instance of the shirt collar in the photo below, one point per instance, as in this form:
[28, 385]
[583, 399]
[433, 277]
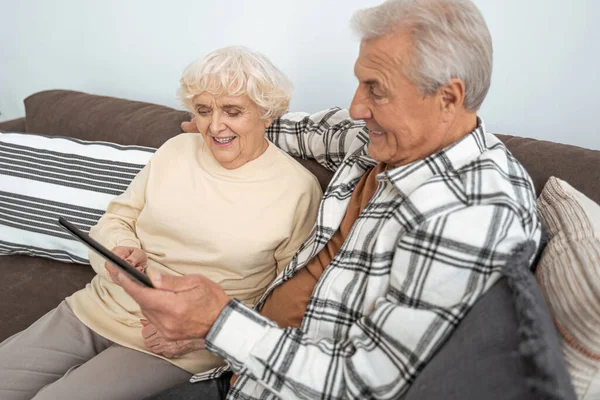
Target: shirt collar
[408, 177]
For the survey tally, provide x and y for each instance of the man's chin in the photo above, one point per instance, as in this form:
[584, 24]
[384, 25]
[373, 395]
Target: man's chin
[376, 153]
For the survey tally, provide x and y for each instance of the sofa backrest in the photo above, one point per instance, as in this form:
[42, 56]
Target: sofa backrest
[542, 159]
[92, 117]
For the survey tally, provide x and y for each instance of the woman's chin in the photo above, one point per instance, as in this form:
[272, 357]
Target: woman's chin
[227, 162]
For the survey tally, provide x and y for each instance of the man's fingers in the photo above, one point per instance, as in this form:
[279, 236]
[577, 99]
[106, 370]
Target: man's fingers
[149, 299]
[153, 342]
[173, 283]
[149, 330]
[134, 289]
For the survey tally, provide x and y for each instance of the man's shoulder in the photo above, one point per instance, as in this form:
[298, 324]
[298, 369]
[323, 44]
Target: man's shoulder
[491, 176]
[497, 176]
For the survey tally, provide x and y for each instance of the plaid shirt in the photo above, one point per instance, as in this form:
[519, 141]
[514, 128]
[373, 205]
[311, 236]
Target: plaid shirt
[434, 237]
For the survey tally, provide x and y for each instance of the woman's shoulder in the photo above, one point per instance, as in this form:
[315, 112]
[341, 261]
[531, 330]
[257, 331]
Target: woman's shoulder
[182, 139]
[292, 171]
[179, 142]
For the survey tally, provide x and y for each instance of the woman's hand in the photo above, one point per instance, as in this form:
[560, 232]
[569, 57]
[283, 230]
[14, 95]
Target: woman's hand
[156, 343]
[134, 256]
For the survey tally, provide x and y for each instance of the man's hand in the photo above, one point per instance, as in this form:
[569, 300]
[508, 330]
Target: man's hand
[156, 343]
[181, 307]
[134, 256]
[190, 127]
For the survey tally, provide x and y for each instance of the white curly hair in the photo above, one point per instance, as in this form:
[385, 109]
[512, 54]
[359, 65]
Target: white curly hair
[237, 71]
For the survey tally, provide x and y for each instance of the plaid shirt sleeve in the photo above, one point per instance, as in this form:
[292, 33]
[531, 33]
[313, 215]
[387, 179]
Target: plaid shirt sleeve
[441, 265]
[326, 136]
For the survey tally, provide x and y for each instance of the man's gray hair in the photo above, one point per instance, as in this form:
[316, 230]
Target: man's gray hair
[450, 38]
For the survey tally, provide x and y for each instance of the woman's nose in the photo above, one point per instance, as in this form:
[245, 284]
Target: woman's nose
[216, 124]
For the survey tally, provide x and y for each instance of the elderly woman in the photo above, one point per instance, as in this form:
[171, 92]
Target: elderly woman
[224, 203]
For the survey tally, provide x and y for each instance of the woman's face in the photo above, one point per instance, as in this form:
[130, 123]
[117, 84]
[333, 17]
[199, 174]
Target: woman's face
[232, 128]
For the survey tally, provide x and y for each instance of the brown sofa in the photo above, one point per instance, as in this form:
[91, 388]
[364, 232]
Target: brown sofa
[31, 286]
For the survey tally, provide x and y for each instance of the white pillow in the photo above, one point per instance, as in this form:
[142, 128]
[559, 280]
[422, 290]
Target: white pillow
[569, 277]
[44, 177]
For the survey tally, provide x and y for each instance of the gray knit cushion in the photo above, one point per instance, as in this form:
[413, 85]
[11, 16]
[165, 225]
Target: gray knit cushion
[505, 348]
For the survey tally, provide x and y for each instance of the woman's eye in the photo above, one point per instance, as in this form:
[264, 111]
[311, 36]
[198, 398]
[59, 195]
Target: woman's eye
[233, 113]
[202, 111]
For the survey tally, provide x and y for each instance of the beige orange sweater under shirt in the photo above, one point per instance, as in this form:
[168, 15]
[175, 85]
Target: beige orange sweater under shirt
[192, 216]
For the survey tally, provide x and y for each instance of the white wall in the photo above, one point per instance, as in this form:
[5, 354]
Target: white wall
[544, 83]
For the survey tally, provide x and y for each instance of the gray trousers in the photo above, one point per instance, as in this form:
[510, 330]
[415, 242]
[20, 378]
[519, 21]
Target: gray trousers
[58, 357]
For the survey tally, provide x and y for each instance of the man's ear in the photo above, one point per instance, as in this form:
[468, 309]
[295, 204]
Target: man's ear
[452, 97]
[268, 122]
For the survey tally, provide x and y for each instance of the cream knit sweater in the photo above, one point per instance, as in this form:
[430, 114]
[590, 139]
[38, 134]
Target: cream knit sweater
[237, 227]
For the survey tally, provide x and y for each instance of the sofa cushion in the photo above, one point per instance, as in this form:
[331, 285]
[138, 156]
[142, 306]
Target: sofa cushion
[42, 178]
[90, 117]
[506, 347]
[32, 286]
[578, 166]
[569, 275]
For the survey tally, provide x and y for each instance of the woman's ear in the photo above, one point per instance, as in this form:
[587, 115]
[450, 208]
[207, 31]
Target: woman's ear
[268, 122]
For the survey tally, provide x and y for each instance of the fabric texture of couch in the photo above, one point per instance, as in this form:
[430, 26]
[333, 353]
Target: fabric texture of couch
[32, 286]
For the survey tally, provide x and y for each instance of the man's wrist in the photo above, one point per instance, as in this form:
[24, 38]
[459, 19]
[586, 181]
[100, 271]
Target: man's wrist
[222, 304]
[235, 332]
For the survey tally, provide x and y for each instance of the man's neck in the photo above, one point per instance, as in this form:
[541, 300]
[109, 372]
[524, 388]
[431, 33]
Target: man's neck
[461, 127]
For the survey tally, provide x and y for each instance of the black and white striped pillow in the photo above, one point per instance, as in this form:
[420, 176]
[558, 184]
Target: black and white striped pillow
[44, 177]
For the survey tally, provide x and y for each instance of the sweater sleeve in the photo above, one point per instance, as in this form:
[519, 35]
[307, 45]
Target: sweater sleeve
[304, 221]
[117, 225]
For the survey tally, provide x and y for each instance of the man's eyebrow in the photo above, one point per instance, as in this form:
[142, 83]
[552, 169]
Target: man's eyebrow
[372, 82]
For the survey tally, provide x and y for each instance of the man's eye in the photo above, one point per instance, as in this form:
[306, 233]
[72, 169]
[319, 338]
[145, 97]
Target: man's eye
[373, 94]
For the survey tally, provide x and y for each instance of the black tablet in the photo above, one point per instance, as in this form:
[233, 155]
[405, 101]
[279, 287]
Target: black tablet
[104, 252]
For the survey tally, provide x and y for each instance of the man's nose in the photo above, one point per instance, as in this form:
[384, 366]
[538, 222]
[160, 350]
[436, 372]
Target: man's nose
[359, 108]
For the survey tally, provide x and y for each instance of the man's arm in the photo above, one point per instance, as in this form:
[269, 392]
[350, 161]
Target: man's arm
[440, 268]
[326, 136]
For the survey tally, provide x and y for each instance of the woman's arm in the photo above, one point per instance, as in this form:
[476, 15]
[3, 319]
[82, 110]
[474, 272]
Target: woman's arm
[304, 221]
[117, 225]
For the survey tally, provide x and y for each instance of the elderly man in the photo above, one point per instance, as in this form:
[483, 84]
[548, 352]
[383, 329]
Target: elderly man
[419, 219]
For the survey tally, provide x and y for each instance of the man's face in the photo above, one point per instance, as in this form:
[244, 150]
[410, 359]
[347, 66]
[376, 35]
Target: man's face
[403, 124]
